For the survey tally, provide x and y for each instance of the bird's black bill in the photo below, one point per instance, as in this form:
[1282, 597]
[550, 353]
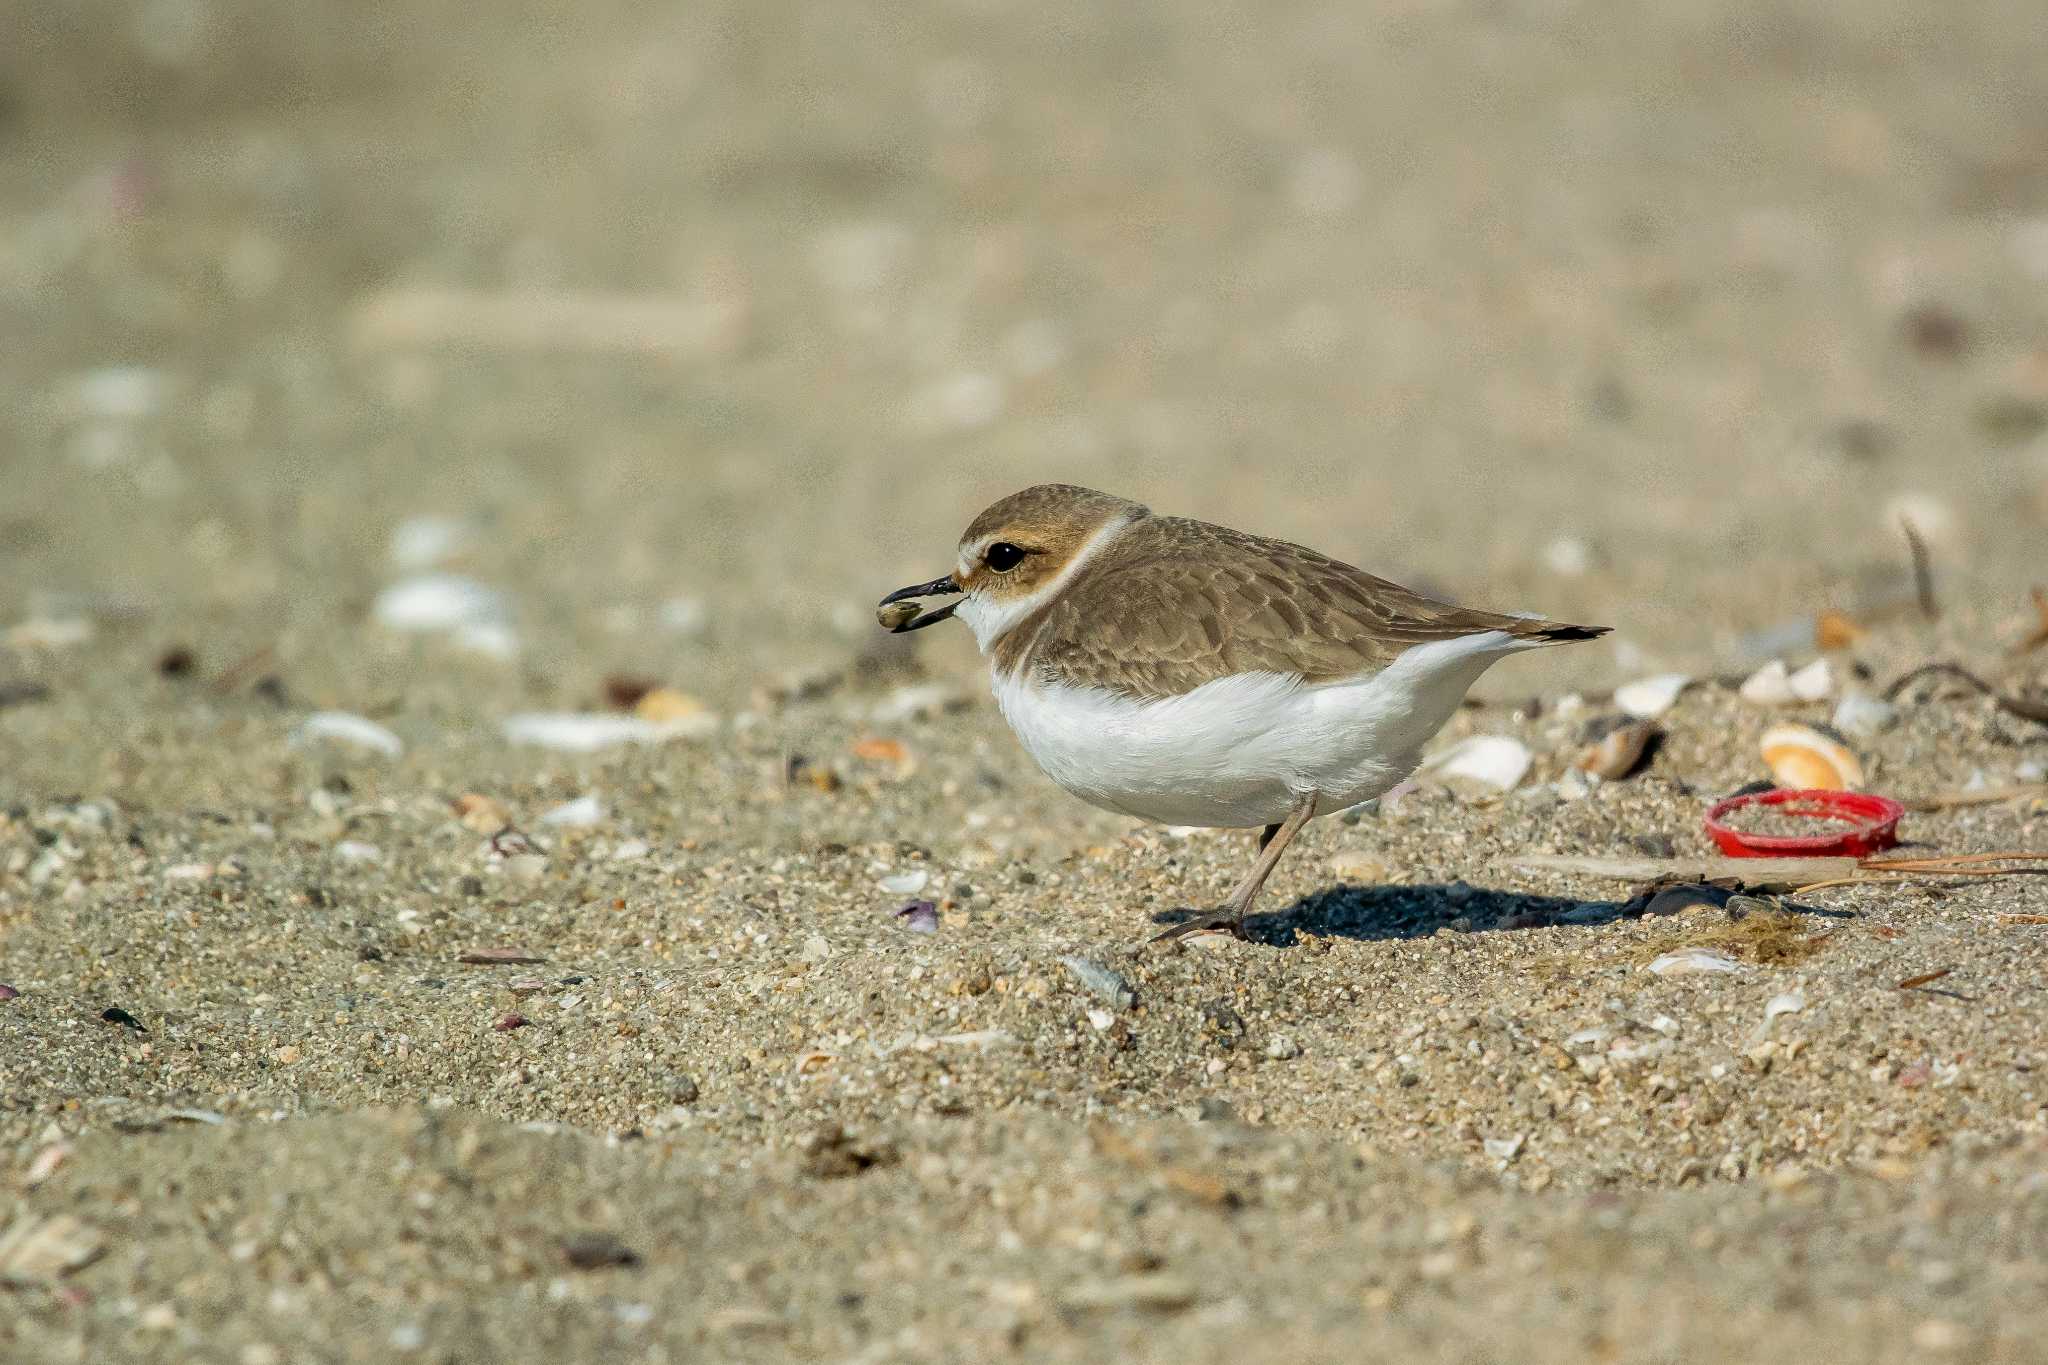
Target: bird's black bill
[902, 618]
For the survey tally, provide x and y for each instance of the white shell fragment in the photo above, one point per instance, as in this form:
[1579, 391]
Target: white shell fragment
[432, 602]
[346, 727]
[1860, 716]
[423, 542]
[1790, 1002]
[581, 813]
[45, 632]
[1495, 761]
[1649, 698]
[1770, 685]
[1692, 961]
[492, 639]
[38, 1250]
[1103, 982]
[1815, 682]
[586, 732]
[906, 883]
[1504, 1149]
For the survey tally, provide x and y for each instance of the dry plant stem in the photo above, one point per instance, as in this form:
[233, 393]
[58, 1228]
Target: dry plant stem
[1986, 796]
[2017, 706]
[1923, 571]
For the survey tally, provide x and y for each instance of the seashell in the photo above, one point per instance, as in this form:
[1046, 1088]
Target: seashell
[1815, 682]
[423, 542]
[920, 917]
[1504, 1149]
[40, 632]
[1495, 761]
[581, 813]
[1693, 961]
[896, 615]
[581, 732]
[492, 639]
[38, 1250]
[906, 883]
[1808, 757]
[1101, 981]
[1862, 717]
[1790, 1002]
[1770, 685]
[1619, 752]
[347, 728]
[1569, 557]
[1649, 698]
[438, 602]
[685, 616]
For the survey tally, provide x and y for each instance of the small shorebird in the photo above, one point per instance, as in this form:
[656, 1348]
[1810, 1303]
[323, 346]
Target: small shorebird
[1190, 674]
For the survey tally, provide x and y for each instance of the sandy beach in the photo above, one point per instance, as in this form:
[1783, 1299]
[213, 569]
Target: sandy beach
[456, 805]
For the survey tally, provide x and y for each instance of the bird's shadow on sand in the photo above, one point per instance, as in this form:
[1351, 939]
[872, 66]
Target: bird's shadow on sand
[1372, 913]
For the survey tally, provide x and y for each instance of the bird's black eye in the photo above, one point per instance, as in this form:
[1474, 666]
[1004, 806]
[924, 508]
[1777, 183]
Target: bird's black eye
[1003, 556]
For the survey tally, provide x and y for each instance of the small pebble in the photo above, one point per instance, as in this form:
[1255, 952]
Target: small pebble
[507, 1022]
[598, 1251]
[906, 883]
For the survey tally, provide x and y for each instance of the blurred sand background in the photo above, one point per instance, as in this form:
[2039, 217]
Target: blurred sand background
[701, 326]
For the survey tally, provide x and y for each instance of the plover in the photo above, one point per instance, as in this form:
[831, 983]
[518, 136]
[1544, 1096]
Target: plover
[1189, 674]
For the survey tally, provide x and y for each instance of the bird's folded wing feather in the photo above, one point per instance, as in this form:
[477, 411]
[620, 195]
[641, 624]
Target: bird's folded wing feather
[1178, 603]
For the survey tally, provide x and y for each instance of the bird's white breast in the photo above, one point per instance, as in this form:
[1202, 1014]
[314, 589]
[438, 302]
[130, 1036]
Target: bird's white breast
[1241, 750]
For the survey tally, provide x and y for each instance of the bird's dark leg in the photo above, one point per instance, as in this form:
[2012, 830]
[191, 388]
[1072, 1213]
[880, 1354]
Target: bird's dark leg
[1272, 844]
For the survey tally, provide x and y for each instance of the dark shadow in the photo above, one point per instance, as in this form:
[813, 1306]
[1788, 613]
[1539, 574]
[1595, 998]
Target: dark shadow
[1405, 912]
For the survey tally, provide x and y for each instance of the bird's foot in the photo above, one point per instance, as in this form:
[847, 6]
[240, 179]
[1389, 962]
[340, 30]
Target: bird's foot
[1204, 924]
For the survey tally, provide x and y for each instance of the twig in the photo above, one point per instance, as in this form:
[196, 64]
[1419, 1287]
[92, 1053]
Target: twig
[2023, 918]
[1982, 796]
[1923, 570]
[1914, 983]
[2016, 706]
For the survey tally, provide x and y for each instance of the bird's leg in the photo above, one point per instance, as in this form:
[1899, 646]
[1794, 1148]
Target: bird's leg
[1272, 844]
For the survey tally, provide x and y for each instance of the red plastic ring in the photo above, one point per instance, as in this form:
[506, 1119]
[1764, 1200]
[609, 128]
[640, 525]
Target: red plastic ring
[1865, 824]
